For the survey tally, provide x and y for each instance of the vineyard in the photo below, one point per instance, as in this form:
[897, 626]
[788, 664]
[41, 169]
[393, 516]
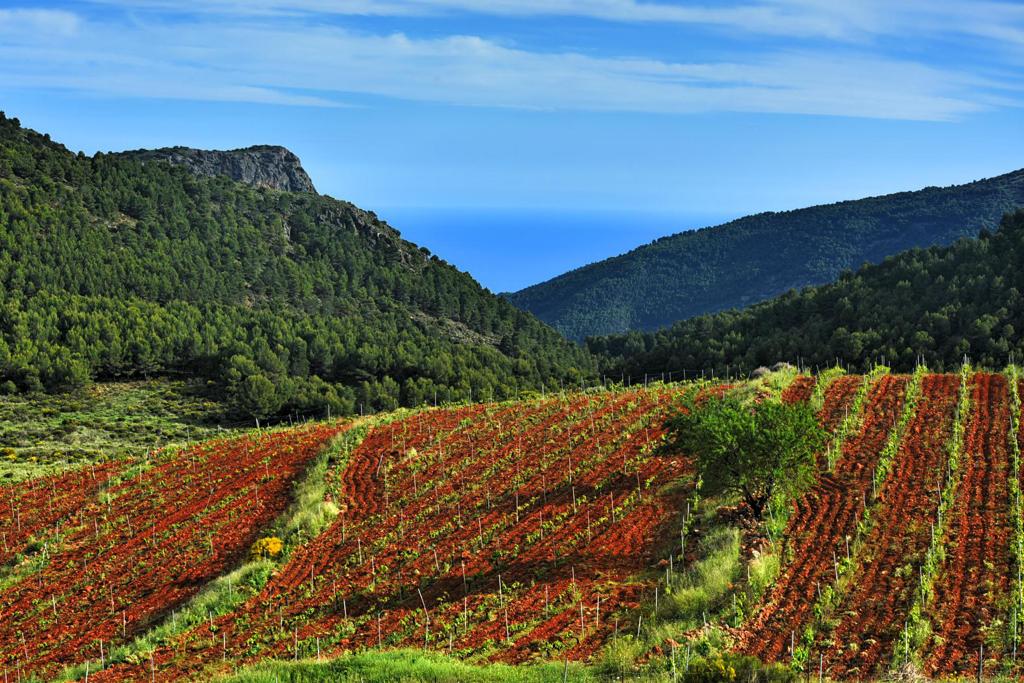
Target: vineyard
[504, 532]
[907, 551]
[556, 529]
[107, 550]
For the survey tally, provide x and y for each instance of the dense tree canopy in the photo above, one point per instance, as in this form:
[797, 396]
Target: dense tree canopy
[762, 256]
[748, 448]
[289, 301]
[940, 304]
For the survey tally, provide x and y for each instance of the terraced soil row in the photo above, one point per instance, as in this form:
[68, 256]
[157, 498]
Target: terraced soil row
[800, 389]
[973, 586]
[873, 610]
[152, 543]
[824, 519]
[507, 533]
[32, 510]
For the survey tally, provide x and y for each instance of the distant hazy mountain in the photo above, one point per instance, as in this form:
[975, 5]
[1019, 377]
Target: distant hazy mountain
[755, 258]
[939, 304]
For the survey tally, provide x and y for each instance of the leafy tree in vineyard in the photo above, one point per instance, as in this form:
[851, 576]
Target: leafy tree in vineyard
[754, 450]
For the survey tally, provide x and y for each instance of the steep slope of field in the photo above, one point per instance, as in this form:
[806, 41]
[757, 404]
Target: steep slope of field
[872, 613]
[287, 301]
[975, 582]
[32, 509]
[939, 303]
[758, 257]
[116, 547]
[861, 541]
[824, 518]
[503, 533]
[555, 529]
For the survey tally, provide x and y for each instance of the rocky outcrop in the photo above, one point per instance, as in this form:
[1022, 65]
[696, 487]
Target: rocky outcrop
[260, 166]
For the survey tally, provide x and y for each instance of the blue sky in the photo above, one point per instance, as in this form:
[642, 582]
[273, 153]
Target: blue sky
[520, 138]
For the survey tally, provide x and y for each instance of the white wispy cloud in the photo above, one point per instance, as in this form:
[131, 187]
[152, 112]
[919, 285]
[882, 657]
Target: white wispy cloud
[782, 17]
[1002, 21]
[39, 21]
[310, 63]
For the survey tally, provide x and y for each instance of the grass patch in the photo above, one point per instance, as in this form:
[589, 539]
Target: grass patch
[764, 570]
[395, 666]
[770, 385]
[45, 433]
[703, 587]
[684, 640]
[310, 514]
[825, 379]
[693, 599]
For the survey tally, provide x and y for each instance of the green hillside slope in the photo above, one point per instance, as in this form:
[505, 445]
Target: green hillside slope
[941, 303]
[755, 258]
[111, 268]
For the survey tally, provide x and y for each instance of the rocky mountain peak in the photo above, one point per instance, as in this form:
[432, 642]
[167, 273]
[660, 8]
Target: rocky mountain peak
[260, 166]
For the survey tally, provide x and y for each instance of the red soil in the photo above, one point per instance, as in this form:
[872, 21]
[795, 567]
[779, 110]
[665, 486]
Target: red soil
[800, 389]
[540, 499]
[165, 533]
[882, 589]
[32, 509]
[975, 580]
[822, 521]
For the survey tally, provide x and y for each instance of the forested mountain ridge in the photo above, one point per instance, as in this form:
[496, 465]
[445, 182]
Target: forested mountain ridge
[110, 267]
[757, 257]
[268, 166]
[939, 304]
